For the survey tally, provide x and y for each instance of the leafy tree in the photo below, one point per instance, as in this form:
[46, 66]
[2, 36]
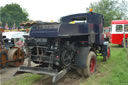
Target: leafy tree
[111, 9]
[12, 14]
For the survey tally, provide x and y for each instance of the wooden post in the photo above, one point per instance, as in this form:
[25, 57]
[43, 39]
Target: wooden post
[127, 49]
[124, 41]
[127, 43]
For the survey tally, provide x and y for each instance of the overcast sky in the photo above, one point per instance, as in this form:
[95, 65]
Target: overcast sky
[47, 10]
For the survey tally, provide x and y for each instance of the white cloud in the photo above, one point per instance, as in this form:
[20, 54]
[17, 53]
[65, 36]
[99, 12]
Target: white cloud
[47, 10]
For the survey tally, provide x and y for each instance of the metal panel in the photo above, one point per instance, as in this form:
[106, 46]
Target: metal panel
[91, 17]
[73, 29]
[43, 33]
[81, 57]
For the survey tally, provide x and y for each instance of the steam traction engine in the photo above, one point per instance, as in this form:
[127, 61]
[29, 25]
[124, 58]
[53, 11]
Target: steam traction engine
[74, 42]
[9, 54]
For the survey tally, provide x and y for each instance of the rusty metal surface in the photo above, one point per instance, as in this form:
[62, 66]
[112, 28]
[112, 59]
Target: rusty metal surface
[15, 57]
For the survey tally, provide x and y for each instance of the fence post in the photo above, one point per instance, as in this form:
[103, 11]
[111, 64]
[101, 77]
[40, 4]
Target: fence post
[127, 43]
[124, 43]
[127, 49]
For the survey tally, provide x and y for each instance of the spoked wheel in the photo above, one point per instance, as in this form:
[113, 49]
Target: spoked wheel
[66, 58]
[90, 65]
[108, 54]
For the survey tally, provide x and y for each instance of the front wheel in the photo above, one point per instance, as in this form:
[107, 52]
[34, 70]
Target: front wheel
[108, 54]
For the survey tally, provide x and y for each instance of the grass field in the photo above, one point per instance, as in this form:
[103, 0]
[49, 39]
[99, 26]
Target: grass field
[112, 72]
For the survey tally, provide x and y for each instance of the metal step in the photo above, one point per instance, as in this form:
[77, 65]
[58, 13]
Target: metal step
[41, 70]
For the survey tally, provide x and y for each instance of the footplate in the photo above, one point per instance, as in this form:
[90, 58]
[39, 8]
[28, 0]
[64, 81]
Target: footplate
[40, 70]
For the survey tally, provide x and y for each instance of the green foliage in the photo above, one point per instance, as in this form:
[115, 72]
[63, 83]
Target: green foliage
[29, 80]
[12, 14]
[111, 9]
[119, 74]
[25, 79]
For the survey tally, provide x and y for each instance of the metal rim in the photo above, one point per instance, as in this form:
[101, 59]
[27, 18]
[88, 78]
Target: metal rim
[66, 58]
[19, 57]
[4, 60]
[92, 65]
[108, 52]
[16, 57]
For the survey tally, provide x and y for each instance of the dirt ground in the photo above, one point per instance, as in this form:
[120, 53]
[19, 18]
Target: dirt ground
[71, 78]
[8, 72]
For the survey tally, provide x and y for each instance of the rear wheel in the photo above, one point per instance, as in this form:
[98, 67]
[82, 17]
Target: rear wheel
[90, 65]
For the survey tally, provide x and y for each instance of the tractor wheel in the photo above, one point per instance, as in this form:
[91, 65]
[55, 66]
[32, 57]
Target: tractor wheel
[66, 58]
[90, 65]
[108, 54]
[15, 57]
[3, 59]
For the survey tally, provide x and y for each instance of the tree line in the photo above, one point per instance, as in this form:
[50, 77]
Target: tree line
[13, 14]
[111, 9]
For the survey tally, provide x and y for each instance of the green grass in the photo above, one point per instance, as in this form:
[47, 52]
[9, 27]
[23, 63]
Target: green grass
[25, 79]
[29, 80]
[112, 72]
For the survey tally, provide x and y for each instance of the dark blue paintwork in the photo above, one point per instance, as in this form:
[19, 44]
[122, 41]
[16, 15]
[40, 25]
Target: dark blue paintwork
[38, 33]
[91, 17]
[94, 23]
[73, 29]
